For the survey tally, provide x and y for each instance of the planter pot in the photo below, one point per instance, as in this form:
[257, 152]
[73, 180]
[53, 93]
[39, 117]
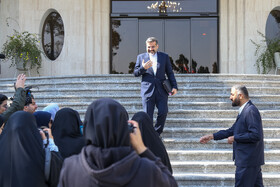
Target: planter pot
[19, 65]
[277, 61]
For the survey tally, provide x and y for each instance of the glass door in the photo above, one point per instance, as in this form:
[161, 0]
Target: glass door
[174, 39]
[190, 43]
[177, 44]
[204, 45]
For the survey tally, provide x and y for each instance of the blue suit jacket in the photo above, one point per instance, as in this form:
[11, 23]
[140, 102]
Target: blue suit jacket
[248, 146]
[150, 82]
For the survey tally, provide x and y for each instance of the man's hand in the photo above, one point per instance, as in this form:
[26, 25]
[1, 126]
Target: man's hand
[136, 138]
[20, 81]
[174, 91]
[147, 65]
[230, 139]
[206, 138]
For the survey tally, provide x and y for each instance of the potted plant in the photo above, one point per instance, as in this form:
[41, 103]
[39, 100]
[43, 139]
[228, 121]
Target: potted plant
[23, 49]
[265, 52]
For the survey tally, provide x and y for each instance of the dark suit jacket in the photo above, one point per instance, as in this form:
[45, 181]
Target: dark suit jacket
[248, 146]
[149, 80]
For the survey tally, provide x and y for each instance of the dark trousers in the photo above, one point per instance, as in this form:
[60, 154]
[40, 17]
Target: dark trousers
[248, 177]
[160, 101]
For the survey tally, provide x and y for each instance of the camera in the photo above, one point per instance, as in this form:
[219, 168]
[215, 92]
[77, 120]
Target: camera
[28, 94]
[45, 132]
[28, 90]
[131, 128]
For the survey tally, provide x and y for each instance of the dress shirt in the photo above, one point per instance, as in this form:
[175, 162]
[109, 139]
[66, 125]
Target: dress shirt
[242, 107]
[153, 58]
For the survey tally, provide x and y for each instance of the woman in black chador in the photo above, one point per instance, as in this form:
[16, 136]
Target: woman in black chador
[66, 132]
[114, 155]
[22, 158]
[150, 137]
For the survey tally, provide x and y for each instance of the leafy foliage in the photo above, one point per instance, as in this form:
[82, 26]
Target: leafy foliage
[23, 46]
[265, 53]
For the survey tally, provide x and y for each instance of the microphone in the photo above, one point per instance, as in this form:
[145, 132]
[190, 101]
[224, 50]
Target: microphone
[2, 56]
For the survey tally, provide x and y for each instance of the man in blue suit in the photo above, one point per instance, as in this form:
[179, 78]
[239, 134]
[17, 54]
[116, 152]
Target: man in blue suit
[153, 66]
[246, 134]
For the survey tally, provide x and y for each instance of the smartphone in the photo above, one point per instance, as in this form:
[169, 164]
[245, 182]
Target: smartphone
[130, 128]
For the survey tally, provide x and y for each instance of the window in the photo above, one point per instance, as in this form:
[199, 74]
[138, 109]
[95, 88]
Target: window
[272, 29]
[53, 35]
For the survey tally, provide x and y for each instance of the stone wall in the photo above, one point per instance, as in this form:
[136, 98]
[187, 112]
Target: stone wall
[239, 22]
[87, 34]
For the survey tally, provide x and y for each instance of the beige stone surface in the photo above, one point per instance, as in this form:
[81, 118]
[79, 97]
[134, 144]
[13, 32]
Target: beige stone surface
[86, 47]
[239, 22]
[87, 34]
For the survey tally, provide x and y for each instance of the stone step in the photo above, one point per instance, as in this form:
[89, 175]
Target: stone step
[209, 167]
[214, 155]
[213, 122]
[61, 97]
[179, 77]
[137, 105]
[187, 114]
[198, 132]
[104, 87]
[201, 106]
[194, 144]
[217, 113]
[219, 179]
[220, 100]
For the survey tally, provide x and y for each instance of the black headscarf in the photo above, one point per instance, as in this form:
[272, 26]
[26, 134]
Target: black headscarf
[150, 137]
[106, 133]
[106, 124]
[66, 132]
[22, 157]
[42, 118]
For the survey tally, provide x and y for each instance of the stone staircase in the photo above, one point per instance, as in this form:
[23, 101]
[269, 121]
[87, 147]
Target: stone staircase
[202, 106]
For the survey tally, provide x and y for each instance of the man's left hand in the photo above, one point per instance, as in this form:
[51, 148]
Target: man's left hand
[174, 91]
[230, 139]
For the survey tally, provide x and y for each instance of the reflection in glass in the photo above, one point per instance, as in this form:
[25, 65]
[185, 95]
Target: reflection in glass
[165, 6]
[204, 45]
[124, 45]
[171, 6]
[148, 28]
[273, 25]
[53, 35]
[177, 44]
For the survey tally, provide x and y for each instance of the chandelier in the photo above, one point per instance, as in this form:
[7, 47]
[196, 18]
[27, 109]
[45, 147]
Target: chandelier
[164, 6]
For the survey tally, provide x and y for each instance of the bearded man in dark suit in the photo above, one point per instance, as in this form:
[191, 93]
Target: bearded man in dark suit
[246, 134]
[153, 66]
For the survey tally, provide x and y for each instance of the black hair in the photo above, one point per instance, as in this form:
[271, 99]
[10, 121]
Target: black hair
[243, 90]
[28, 99]
[152, 39]
[3, 98]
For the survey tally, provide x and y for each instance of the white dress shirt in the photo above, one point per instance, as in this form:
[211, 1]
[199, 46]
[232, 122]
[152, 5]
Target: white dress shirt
[153, 58]
[242, 107]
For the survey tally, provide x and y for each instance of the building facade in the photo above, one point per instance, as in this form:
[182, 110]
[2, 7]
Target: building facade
[214, 35]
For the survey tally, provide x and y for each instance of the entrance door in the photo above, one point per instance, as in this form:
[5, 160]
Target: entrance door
[190, 43]
[174, 39]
